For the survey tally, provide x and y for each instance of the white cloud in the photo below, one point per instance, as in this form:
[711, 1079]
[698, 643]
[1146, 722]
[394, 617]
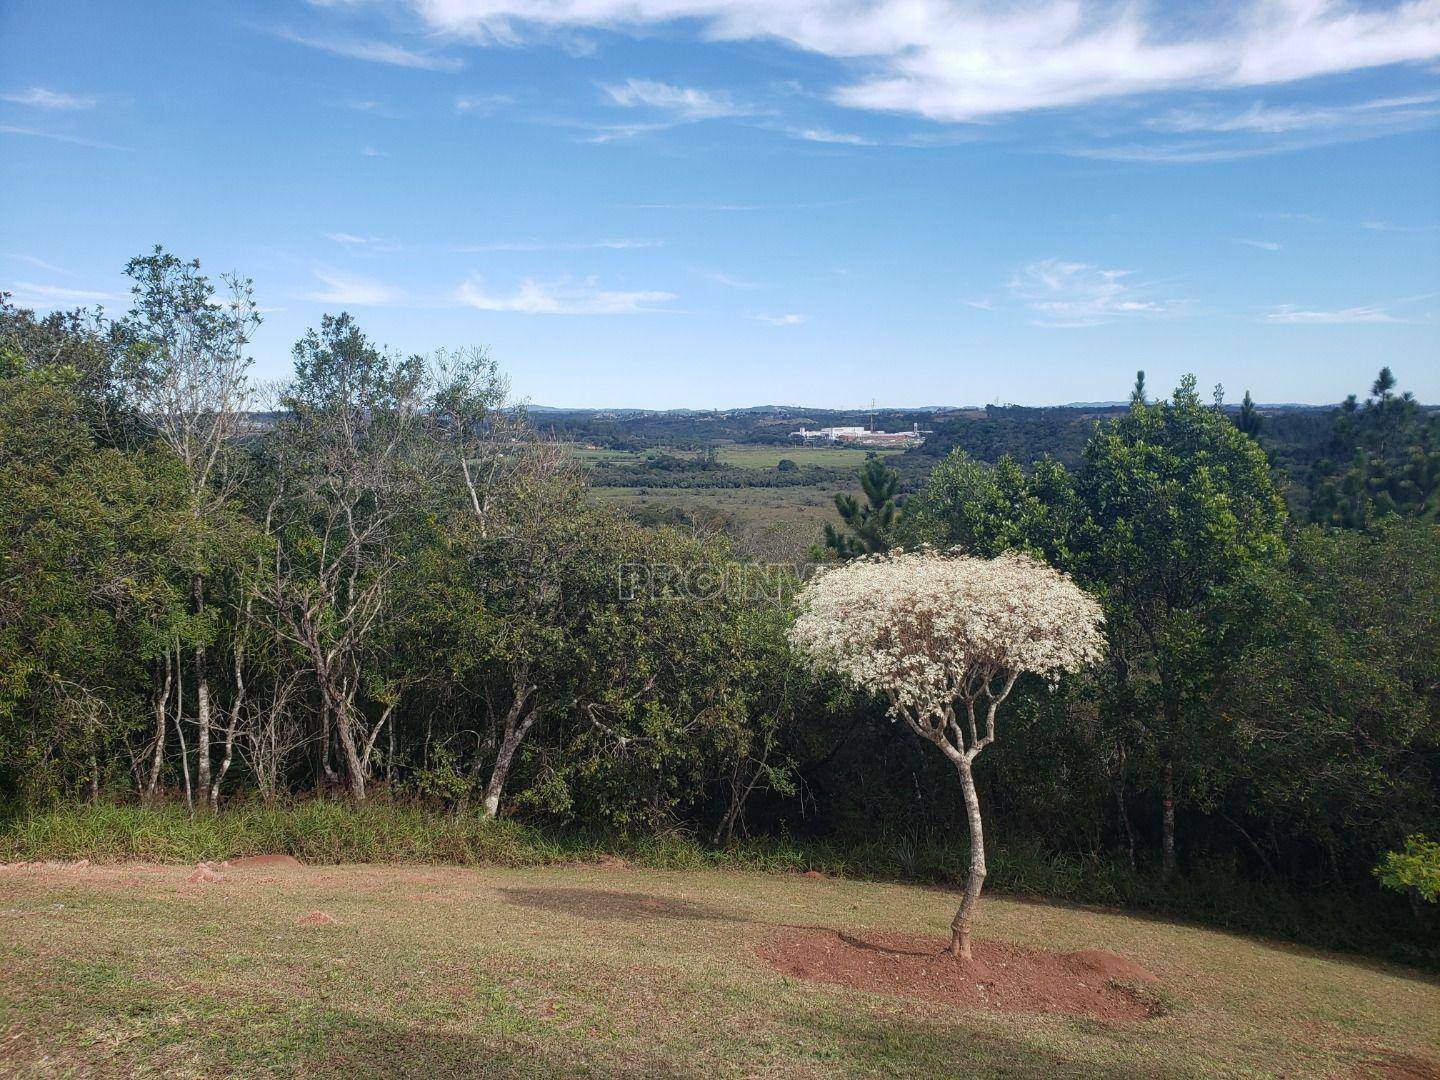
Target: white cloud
[1209, 134]
[563, 245]
[1292, 315]
[558, 298]
[781, 320]
[370, 151]
[961, 62]
[12, 129]
[343, 289]
[40, 98]
[366, 243]
[1072, 294]
[825, 135]
[686, 104]
[39, 264]
[482, 104]
[728, 281]
[28, 293]
[1283, 119]
[1263, 245]
[377, 52]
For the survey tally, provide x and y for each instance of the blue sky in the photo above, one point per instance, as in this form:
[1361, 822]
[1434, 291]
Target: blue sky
[702, 203]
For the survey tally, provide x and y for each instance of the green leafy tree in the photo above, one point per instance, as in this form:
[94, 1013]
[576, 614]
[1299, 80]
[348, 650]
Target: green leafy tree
[1177, 501]
[1414, 870]
[869, 526]
[88, 594]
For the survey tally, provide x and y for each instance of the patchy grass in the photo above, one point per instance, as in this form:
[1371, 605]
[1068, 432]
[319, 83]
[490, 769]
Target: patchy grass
[382, 831]
[125, 969]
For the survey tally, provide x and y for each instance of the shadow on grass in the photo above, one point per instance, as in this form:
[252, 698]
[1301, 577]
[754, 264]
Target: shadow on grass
[812, 1039]
[630, 907]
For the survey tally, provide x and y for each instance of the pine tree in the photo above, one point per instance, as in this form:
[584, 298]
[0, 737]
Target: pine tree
[871, 524]
[1249, 421]
[1137, 395]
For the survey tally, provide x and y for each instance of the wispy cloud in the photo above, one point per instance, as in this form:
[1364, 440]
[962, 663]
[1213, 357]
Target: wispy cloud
[1263, 245]
[1073, 294]
[346, 290]
[377, 52]
[561, 245]
[609, 133]
[56, 136]
[726, 280]
[962, 63]
[482, 104]
[825, 135]
[33, 295]
[370, 151]
[560, 298]
[39, 264]
[1291, 315]
[40, 98]
[372, 107]
[722, 207]
[686, 104]
[1201, 134]
[366, 243]
[1264, 119]
[781, 320]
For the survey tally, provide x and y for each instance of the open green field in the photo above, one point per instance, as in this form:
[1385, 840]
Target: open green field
[128, 969]
[746, 456]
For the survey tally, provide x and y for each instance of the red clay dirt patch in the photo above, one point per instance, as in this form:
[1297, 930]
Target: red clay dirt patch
[316, 918]
[1002, 977]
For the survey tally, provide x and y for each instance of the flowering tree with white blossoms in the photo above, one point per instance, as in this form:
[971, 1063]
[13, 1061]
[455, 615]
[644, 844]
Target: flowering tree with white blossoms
[944, 637]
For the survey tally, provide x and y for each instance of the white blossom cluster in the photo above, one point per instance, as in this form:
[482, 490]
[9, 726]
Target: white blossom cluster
[935, 632]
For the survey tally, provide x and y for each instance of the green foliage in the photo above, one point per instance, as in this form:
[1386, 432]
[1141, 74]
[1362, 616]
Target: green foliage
[398, 547]
[1415, 869]
[1381, 458]
[871, 524]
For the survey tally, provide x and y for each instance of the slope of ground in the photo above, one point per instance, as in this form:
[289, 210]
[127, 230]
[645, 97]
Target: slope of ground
[609, 971]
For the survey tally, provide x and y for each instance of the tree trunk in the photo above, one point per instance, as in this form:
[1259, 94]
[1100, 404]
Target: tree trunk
[202, 701]
[325, 766]
[490, 805]
[516, 728]
[162, 705]
[1167, 816]
[1123, 813]
[354, 766]
[960, 926]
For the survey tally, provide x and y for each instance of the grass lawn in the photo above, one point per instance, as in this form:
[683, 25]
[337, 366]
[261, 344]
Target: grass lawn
[754, 507]
[126, 969]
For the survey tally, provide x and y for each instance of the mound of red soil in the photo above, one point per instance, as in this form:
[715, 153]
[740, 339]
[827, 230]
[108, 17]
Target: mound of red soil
[316, 918]
[265, 860]
[814, 875]
[203, 875]
[1001, 978]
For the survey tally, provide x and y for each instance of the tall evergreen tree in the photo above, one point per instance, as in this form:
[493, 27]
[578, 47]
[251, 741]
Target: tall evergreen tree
[871, 524]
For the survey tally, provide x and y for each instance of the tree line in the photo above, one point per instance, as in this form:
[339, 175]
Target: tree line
[397, 585]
